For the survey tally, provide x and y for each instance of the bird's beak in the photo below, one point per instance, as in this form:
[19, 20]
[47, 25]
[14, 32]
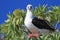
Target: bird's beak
[31, 8]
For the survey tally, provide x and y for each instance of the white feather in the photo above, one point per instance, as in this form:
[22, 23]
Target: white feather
[30, 26]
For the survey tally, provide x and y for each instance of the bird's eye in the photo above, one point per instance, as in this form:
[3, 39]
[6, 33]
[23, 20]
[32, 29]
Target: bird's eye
[28, 7]
[31, 7]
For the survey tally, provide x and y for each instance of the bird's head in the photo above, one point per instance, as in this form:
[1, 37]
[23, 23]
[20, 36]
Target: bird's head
[29, 7]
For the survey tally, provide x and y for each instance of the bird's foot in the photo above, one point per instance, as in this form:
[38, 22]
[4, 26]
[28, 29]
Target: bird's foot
[33, 35]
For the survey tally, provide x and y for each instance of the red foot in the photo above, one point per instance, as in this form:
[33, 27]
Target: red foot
[33, 35]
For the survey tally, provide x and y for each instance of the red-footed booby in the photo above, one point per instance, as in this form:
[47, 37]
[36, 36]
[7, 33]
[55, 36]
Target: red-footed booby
[35, 25]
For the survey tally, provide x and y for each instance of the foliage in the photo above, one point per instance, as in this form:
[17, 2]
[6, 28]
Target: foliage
[13, 27]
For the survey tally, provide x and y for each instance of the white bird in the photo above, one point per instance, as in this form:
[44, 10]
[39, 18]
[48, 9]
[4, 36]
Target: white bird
[35, 25]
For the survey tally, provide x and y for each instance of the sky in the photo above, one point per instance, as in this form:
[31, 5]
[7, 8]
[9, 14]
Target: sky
[7, 6]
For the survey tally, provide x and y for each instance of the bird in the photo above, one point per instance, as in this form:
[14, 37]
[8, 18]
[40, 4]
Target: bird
[36, 25]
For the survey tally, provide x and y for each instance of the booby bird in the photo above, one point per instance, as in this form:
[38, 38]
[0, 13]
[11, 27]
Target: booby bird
[35, 25]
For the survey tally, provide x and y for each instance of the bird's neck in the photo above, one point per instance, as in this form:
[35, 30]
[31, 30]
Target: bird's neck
[29, 14]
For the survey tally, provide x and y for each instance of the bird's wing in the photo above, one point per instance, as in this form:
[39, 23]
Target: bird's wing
[41, 24]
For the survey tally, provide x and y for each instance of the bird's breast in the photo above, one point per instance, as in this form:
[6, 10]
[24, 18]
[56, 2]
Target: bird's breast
[27, 22]
[30, 26]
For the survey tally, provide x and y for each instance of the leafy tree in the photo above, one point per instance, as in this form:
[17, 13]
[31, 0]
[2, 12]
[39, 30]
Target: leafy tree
[13, 27]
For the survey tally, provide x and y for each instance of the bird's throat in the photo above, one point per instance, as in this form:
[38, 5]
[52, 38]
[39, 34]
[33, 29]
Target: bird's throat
[29, 14]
